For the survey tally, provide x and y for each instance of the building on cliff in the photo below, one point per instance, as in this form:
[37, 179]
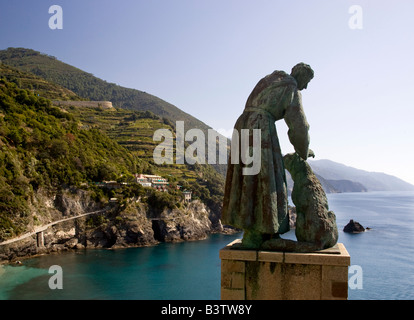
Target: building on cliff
[157, 182]
[187, 195]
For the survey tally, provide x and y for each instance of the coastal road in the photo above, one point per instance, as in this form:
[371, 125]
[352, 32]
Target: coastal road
[44, 227]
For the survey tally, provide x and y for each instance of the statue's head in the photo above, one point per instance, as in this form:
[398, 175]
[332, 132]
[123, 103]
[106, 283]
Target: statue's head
[303, 74]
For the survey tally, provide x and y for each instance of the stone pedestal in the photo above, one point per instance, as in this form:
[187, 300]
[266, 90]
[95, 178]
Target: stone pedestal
[265, 275]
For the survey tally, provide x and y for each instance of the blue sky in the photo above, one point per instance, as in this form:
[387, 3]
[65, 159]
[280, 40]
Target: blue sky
[205, 57]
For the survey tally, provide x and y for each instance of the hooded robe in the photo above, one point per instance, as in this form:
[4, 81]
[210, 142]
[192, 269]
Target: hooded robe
[259, 202]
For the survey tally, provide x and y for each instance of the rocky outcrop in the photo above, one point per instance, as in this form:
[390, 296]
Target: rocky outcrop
[354, 227]
[23, 248]
[184, 224]
[73, 202]
[292, 217]
[124, 227]
[133, 224]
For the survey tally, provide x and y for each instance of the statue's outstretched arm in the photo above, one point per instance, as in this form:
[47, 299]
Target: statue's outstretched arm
[298, 126]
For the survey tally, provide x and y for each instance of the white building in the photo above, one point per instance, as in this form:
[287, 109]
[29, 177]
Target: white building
[187, 195]
[154, 181]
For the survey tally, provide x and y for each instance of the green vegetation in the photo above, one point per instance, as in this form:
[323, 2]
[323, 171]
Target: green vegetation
[89, 87]
[134, 131]
[36, 85]
[42, 147]
[51, 148]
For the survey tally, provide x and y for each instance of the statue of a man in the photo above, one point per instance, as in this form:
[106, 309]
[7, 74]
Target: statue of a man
[258, 203]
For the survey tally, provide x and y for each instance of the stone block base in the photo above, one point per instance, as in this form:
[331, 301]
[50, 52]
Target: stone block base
[265, 275]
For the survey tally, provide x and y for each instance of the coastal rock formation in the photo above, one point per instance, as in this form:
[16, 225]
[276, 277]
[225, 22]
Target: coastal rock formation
[292, 217]
[121, 227]
[354, 227]
[20, 249]
[128, 225]
[190, 223]
[74, 202]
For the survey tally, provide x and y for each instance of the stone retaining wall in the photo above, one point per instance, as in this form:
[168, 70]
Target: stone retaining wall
[91, 104]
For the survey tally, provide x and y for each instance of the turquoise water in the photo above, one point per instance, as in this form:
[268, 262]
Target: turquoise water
[385, 253]
[191, 270]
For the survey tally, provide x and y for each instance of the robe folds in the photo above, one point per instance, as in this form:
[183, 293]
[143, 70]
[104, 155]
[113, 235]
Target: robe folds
[259, 202]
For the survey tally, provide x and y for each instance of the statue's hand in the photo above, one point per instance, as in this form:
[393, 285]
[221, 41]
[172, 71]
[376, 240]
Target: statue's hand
[311, 153]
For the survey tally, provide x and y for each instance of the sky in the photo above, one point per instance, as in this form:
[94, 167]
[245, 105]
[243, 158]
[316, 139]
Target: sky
[206, 56]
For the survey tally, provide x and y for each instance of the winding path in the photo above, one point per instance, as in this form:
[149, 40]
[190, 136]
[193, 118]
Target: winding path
[43, 228]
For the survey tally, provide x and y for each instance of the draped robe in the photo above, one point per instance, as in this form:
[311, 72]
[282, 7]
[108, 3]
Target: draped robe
[259, 202]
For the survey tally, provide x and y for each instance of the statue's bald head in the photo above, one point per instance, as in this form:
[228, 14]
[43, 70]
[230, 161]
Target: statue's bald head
[303, 74]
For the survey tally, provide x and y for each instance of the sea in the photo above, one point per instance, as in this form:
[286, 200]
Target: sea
[382, 261]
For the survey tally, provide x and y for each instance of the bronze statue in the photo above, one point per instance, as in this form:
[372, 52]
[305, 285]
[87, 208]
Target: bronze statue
[315, 224]
[258, 203]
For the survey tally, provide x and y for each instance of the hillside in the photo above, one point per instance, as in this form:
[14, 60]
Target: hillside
[36, 85]
[130, 128]
[90, 87]
[48, 150]
[42, 148]
[134, 130]
[347, 186]
[334, 172]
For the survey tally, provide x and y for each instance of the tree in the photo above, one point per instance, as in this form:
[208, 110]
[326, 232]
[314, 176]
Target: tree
[59, 148]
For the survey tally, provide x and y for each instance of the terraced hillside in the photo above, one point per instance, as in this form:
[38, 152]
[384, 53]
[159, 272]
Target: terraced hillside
[89, 87]
[134, 130]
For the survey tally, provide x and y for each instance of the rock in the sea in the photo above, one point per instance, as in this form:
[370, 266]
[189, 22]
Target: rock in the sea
[354, 227]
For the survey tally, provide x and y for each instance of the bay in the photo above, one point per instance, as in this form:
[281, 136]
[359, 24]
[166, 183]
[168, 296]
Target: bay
[191, 270]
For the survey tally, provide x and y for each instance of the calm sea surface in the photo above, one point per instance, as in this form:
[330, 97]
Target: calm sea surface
[191, 270]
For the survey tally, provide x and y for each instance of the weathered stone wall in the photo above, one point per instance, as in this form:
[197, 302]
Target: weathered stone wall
[91, 104]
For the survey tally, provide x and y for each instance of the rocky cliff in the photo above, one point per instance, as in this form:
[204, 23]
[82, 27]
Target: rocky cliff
[130, 224]
[189, 223]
